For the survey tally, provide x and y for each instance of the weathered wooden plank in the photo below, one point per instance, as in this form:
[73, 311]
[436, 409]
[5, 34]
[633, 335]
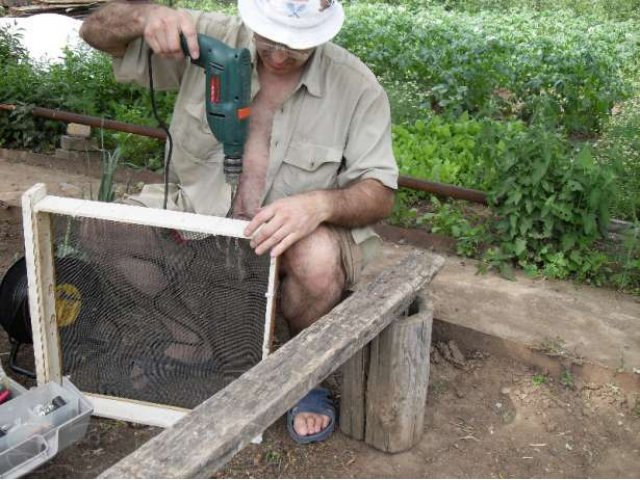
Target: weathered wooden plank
[42, 304]
[353, 394]
[72, 2]
[397, 381]
[206, 439]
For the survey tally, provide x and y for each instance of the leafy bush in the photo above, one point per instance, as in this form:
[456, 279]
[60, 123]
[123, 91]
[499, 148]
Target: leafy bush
[11, 49]
[551, 203]
[444, 149]
[616, 10]
[81, 83]
[619, 147]
[499, 63]
[549, 199]
[451, 219]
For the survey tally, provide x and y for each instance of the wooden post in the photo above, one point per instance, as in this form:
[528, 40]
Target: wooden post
[385, 385]
[352, 396]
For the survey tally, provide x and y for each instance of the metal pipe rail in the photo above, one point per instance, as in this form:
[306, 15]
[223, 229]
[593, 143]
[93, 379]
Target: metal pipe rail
[441, 189]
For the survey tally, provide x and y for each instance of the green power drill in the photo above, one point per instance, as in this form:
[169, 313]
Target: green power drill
[227, 98]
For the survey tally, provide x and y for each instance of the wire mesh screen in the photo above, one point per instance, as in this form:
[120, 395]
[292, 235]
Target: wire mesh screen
[154, 314]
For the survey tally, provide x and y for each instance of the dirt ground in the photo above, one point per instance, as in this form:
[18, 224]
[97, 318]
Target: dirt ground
[486, 416]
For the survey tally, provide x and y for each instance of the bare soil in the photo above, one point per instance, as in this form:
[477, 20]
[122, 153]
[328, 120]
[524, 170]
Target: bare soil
[486, 417]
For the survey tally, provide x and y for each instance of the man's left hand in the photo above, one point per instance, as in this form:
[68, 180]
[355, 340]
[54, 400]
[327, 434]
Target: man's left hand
[282, 223]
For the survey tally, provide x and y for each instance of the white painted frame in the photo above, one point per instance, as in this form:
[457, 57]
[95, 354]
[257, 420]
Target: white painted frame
[37, 207]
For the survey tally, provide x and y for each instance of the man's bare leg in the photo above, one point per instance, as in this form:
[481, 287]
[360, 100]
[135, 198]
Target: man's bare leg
[313, 284]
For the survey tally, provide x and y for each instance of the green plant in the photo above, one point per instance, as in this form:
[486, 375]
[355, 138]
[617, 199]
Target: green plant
[81, 83]
[551, 204]
[627, 272]
[566, 379]
[619, 147]
[539, 379]
[618, 10]
[404, 215]
[226, 6]
[11, 48]
[444, 149]
[554, 347]
[109, 165]
[496, 63]
[274, 457]
[450, 219]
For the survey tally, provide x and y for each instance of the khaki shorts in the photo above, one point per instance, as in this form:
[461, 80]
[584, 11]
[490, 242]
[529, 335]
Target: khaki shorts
[355, 256]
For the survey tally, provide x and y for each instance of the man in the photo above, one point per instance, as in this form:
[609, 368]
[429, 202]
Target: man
[318, 163]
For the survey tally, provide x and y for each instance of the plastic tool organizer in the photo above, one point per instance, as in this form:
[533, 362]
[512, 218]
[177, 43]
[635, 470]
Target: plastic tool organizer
[36, 424]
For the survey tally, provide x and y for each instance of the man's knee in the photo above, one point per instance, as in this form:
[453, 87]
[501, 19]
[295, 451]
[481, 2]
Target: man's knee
[315, 261]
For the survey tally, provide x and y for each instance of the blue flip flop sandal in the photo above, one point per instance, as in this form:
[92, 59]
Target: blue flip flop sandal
[318, 401]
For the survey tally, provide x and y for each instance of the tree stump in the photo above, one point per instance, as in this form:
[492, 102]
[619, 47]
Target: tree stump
[385, 385]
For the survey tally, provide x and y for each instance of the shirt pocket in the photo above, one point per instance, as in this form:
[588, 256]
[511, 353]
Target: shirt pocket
[307, 167]
[194, 135]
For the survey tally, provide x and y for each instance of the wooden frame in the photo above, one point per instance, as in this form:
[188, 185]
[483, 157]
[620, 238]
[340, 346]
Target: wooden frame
[205, 439]
[37, 207]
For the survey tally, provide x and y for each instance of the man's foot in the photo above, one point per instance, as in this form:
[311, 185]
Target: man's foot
[306, 423]
[313, 418]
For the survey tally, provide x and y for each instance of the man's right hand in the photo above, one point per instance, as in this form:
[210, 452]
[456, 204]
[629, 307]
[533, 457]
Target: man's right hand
[162, 29]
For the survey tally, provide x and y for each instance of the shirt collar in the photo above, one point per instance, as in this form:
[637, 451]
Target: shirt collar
[255, 79]
[313, 74]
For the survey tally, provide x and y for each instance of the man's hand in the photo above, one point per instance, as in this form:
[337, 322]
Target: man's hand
[282, 223]
[279, 225]
[162, 28]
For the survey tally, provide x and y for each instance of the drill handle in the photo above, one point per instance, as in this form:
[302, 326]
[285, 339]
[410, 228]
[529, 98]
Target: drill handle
[185, 49]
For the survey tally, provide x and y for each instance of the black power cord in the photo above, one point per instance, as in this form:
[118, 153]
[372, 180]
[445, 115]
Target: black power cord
[164, 127]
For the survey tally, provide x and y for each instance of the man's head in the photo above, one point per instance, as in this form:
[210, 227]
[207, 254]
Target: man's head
[296, 24]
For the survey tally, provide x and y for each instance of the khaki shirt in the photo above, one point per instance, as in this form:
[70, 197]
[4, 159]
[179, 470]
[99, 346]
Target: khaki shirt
[333, 130]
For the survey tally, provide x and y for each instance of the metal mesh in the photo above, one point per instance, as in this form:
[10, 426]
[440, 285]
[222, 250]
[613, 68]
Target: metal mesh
[154, 314]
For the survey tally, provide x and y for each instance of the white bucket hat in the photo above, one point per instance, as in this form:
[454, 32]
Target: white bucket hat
[298, 24]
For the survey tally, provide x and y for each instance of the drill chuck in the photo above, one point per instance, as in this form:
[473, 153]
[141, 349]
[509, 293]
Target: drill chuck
[232, 169]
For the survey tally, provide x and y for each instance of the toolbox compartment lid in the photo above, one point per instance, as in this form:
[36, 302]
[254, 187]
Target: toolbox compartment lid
[28, 438]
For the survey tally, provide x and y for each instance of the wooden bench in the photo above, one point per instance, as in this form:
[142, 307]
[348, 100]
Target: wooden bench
[382, 332]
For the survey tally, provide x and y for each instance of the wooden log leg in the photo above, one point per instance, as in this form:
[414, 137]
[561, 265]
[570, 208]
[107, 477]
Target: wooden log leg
[353, 394]
[397, 381]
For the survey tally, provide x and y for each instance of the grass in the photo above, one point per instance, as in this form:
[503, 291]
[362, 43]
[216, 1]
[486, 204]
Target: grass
[554, 347]
[539, 379]
[274, 457]
[566, 379]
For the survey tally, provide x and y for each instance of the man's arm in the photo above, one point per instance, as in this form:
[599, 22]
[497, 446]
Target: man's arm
[115, 25]
[280, 224]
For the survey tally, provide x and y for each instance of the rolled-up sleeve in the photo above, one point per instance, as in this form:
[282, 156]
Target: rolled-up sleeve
[368, 152]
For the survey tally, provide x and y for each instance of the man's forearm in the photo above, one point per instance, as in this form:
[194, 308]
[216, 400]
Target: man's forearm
[363, 203]
[115, 25]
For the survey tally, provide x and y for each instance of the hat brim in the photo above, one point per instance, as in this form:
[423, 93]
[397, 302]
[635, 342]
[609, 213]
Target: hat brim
[293, 37]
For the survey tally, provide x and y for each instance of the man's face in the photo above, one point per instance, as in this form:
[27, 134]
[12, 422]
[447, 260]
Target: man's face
[280, 59]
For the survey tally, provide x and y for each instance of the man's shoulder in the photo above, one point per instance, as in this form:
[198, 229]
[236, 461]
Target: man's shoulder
[211, 20]
[340, 60]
